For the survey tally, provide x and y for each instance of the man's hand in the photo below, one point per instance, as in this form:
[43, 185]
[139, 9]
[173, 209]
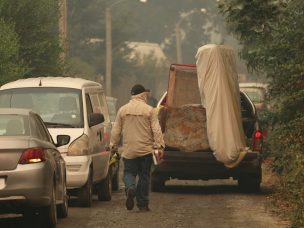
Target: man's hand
[160, 153]
[113, 150]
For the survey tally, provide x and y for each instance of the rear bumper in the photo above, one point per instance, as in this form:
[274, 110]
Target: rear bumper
[204, 166]
[27, 185]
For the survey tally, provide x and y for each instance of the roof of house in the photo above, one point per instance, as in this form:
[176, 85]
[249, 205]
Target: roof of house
[144, 49]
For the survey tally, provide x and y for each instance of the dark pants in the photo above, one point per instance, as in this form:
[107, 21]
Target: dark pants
[140, 167]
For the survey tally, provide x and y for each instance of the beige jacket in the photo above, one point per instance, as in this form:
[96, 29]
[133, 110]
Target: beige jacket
[138, 123]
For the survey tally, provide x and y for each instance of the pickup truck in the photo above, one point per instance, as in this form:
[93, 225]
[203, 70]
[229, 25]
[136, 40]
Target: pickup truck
[202, 165]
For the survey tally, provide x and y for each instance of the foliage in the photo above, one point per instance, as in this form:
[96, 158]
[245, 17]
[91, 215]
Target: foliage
[36, 23]
[10, 65]
[289, 162]
[272, 34]
[137, 22]
[78, 68]
[196, 26]
[87, 37]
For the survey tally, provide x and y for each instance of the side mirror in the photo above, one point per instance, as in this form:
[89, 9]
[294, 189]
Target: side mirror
[95, 118]
[62, 140]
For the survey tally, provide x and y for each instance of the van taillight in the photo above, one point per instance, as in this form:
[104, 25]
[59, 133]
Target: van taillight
[32, 155]
[257, 141]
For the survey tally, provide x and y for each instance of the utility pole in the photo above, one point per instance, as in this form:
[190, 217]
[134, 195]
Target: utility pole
[179, 58]
[108, 52]
[109, 45]
[63, 28]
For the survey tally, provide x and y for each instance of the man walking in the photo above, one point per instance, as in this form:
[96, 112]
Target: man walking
[138, 123]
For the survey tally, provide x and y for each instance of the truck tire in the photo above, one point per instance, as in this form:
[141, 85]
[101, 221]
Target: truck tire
[104, 189]
[249, 184]
[157, 184]
[85, 193]
[115, 180]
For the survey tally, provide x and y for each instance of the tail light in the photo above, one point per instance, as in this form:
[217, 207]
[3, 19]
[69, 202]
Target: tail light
[257, 141]
[106, 136]
[32, 155]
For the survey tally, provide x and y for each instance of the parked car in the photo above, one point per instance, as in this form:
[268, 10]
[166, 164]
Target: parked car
[75, 107]
[32, 170]
[203, 165]
[256, 92]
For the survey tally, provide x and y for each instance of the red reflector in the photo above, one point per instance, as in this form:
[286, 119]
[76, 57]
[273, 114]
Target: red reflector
[106, 136]
[258, 135]
[32, 155]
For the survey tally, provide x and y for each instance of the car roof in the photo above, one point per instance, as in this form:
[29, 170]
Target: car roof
[65, 82]
[15, 111]
[252, 85]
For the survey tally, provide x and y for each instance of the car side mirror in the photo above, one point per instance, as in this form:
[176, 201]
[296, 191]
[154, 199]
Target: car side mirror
[95, 118]
[62, 140]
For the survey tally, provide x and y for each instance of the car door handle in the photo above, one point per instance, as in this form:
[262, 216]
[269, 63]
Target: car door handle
[99, 135]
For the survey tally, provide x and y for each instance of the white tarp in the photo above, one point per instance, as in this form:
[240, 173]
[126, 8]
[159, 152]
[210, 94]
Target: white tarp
[220, 95]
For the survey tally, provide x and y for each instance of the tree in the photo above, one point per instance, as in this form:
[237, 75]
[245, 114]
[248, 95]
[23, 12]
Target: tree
[11, 66]
[272, 34]
[87, 36]
[36, 24]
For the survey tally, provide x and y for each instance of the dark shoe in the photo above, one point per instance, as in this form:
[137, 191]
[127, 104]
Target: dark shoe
[130, 198]
[144, 209]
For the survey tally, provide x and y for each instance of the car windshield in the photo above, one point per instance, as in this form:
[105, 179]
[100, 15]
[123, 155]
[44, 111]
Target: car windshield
[58, 107]
[14, 125]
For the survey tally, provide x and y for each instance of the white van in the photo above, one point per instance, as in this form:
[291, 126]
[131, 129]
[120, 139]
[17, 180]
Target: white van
[76, 114]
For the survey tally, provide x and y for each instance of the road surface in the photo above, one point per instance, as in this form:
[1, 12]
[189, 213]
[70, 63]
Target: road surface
[216, 203]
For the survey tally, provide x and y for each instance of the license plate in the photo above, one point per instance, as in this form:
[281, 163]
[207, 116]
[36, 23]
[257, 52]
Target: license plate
[2, 183]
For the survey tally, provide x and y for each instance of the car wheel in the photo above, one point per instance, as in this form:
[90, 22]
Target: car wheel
[249, 184]
[157, 184]
[105, 188]
[49, 213]
[62, 209]
[115, 180]
[85, 192]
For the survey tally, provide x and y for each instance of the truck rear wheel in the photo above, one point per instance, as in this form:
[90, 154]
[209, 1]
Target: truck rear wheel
[249, 184]
[115, 180]
[157, 184]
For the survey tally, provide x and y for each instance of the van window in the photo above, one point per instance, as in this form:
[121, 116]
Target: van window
[89, 105]
[95, 103]
[103, 106]
[58, 107]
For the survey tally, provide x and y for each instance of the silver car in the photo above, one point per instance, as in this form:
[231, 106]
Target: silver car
[32, 171]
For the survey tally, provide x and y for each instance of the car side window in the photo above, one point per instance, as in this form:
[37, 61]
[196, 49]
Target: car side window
[95, 103]
[246, 109]
[103, 106]
[88, 105]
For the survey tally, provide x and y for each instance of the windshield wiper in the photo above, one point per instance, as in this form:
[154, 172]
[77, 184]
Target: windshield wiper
[55, 125]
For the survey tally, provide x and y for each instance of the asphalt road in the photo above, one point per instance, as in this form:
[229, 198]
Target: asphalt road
[183, 204]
